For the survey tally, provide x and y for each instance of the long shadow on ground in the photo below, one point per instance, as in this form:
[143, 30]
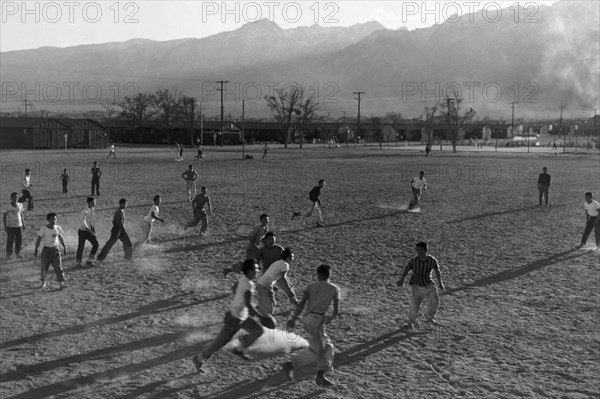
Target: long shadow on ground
[170, 304]
[490, 214]
[518, 271]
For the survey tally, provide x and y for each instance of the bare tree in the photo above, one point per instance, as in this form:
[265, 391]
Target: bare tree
[167, 106]
[190, 115]
[283, 105]
[455, 120]
[138, 111]
[109, 108]
[305, 113]
[429, 122]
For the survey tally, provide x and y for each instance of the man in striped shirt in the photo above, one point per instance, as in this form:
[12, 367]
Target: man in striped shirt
[422, 285]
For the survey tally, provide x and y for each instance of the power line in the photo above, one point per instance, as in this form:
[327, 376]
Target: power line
[222, 82]
[359, 93]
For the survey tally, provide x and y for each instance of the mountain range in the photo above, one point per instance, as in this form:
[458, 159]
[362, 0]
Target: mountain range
[541, 65]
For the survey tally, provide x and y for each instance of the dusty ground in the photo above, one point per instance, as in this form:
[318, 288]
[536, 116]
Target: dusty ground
[519, 317]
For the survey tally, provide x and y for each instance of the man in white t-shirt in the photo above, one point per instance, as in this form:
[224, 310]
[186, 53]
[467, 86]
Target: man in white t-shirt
[237, 318]
[14, 223]
[87, 232]
[149, 220]
[277, 272]
[50, 235]
[592, 210]
[418, 184]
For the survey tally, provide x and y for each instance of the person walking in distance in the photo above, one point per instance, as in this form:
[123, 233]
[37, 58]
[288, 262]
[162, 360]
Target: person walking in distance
[236, 318]
[190, 177]
[317, 298]
[418, 184]
[64, 177]
[543, 185]
[265, 151]
[112, 151]
[276, 273]
[149, 220]
[14, 223]
[50, 235]
[96, 174]
[422, 285]
[118, 232]
[26, 191]
[202, 207]
[87, 232]
[315, 204]
[592, 210]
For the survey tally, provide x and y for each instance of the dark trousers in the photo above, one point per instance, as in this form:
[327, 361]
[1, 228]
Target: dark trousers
[231, 326]
[589, 226]
[13, 234]
[85, 235]
[199, 216]
[51, 256]
[543, 189]
[65, 190]
[96, 184]
[116, 234]
[26, 196]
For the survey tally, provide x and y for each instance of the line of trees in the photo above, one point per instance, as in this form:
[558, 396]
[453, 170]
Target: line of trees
[166, 108]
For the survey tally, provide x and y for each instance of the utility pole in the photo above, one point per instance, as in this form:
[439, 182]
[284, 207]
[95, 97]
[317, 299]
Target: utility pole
[25, 102]
[201, 124]
[512, 121]
[243, 132]
[560, 129]
[221, 82]
[346, 127]
[359, 93]
[594, 131]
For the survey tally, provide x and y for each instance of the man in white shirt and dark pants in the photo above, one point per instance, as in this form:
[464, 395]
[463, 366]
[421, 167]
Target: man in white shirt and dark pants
[87, 232]
[592, 208]
[418, 184]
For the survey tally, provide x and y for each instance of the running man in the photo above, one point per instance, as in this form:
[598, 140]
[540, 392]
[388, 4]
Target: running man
[319, 296]
[50, 235]
[118, 232]
[277, 273]
[96, 174]
[149, 220]
[87, 232]
[256, 236]
[112, 151]
[190, 177]
[200, 202]
[422, 285]
[315, 204]
[237, 319]
[418, 184]
[14, 223]
[26, 191]
[592, 212]
[270, 252]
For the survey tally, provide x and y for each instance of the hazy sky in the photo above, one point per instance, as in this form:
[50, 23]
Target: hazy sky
[33, 24]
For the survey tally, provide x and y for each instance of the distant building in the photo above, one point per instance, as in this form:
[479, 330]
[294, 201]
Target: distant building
[34, 133]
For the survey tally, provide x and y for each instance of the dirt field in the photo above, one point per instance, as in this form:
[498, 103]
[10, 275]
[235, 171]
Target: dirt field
[519, 317]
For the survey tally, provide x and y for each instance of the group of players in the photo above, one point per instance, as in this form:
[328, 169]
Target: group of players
[266, 262]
